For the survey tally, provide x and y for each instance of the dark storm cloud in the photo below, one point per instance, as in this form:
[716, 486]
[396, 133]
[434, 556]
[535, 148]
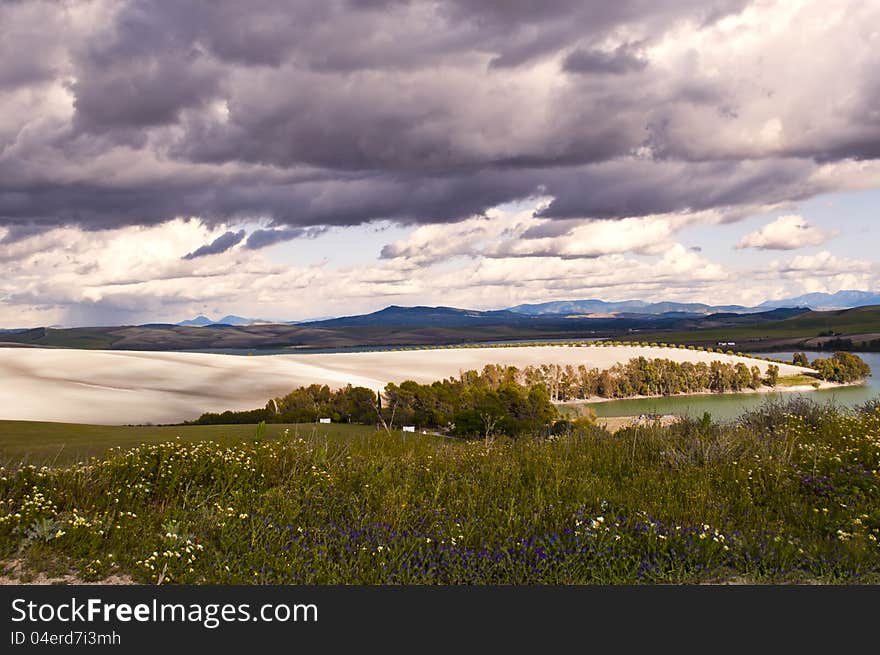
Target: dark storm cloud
[25, 30]
[526, 29]
[628, 189]
[155, 94]
[221, 244]
[263, 238]
[551, 229]
[17, 233]
[323, 113]
[144, 70]
[617, 62]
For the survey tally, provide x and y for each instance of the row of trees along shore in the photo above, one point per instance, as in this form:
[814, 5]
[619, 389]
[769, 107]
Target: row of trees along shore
[845, 343]
[513, 401]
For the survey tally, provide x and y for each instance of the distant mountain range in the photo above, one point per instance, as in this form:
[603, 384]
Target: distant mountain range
[827, 301]
[427, 316]
[590, 307]
[451, 317]
[231, 319]
[815, 301]
[524, 315]
[769, 330]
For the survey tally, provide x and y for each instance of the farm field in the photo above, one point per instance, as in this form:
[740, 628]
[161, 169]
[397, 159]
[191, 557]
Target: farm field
[801, 330]
[116, 387]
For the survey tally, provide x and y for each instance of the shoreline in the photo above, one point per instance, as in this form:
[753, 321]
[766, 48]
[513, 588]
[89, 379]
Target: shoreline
[824, 385]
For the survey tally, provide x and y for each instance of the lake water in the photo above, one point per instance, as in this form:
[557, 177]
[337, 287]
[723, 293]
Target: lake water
[726, 406]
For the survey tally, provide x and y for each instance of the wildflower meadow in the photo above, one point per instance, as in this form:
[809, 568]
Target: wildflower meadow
[787, 493]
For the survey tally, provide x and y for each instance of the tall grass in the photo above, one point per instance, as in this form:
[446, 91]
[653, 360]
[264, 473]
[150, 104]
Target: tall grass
[791, 492]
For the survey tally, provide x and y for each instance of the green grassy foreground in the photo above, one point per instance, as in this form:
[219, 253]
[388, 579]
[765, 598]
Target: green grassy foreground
[44, 443]
[790, 492]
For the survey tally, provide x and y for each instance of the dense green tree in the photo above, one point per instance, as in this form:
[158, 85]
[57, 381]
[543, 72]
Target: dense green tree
[842, 367]
[756, 377]
[772, 376]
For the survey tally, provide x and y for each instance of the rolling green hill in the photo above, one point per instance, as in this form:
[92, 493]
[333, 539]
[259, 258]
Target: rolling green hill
[772, 329]
[806, 330]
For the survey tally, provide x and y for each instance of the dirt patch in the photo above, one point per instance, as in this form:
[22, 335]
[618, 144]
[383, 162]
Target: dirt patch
[615, 423]
[14, 573]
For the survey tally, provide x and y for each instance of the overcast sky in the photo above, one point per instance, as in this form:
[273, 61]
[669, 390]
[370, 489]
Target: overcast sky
[286, 160]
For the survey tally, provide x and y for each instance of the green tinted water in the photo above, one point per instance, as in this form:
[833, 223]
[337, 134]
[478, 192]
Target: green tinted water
[725, 406]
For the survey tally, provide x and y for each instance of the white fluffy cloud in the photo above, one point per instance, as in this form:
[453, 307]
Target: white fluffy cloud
[821, 272]
[501, 234]
[786, 233]
[823, 263]
[136, 275]
[593, 239]
[508, 256]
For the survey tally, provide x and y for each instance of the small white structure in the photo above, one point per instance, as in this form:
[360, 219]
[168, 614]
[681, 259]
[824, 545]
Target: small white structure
[323, 420]
[409, 428]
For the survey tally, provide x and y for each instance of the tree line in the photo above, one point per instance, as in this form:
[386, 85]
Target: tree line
[469, 406]
[512, 401]
[307, 405]
[642, 376]
[509, 400]
[845, 343]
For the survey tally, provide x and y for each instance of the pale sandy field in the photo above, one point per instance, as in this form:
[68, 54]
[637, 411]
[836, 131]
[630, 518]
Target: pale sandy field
[121, 387]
